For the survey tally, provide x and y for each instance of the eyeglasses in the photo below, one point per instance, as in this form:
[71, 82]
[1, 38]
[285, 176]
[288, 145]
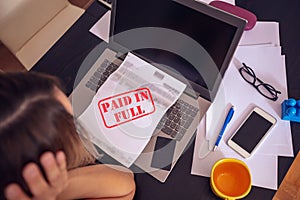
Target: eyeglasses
[265, 89]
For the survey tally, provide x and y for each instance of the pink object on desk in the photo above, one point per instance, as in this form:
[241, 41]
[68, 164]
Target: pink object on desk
[238, 11]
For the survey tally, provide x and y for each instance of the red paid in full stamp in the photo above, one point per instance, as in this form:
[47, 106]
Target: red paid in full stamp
[125, 107]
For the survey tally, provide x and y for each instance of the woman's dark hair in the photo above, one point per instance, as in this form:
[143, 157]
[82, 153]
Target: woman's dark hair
[33, 121]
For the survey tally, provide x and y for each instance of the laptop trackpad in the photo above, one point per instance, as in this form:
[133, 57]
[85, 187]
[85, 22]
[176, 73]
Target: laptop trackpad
[163, 153]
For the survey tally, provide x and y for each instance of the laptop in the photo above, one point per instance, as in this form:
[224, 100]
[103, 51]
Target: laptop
[189, 40]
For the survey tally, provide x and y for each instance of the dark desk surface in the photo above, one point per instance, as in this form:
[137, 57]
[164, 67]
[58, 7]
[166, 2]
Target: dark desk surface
[65, 57]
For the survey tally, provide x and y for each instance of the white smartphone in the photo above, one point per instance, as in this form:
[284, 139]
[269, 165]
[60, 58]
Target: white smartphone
[252, 132]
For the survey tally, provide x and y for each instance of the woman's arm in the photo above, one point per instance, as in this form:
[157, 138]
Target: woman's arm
[99, 182]
[91, 182]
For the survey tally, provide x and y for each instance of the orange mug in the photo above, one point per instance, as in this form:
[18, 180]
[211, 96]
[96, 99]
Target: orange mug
[230, 179]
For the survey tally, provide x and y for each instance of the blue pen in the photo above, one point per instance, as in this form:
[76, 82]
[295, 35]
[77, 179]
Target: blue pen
[227, 120]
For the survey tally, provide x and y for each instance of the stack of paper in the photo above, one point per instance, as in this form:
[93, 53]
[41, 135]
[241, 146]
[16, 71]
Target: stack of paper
[260, 49]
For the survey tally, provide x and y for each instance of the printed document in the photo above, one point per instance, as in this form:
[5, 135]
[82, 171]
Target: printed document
[128, 106]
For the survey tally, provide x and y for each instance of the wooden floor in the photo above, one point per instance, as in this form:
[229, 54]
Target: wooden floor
[8, 62]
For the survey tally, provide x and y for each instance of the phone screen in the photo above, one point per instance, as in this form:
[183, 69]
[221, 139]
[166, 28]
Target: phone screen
[163, 153]
[251, 132]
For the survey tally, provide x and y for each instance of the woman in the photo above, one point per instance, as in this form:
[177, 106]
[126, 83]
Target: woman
[36, 117]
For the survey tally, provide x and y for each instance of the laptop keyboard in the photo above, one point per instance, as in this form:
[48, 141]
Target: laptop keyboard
[101, 75]
[177, 119]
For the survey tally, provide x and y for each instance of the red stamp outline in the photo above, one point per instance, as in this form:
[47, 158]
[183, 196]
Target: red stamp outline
[131, 119]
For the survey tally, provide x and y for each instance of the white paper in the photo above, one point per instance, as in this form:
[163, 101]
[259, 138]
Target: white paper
[269, 65]
[263, 33]
[216, 114]
[102, 26]
[125, 140]
[263, 168]
[244, 97]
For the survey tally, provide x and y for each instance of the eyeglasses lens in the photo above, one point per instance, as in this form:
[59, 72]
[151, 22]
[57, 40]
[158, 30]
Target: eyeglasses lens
[248, 75]
[267, 90]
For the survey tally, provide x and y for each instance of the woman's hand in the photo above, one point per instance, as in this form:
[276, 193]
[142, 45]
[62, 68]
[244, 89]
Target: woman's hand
[57, 176]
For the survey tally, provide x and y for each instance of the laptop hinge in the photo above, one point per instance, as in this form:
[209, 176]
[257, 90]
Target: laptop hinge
[121, 55]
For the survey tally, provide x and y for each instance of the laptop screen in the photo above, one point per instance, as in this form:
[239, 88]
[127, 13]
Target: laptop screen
[216, 32]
